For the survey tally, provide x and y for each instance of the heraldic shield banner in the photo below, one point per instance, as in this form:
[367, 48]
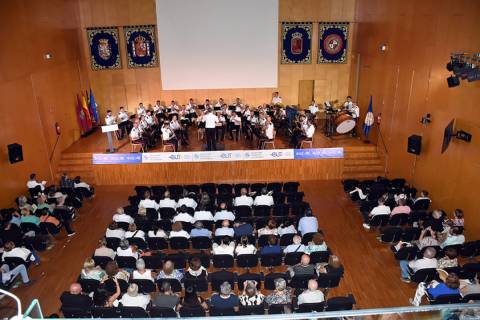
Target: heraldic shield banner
[104, 49]
[332, 44]
[296, 42]
[141, 46]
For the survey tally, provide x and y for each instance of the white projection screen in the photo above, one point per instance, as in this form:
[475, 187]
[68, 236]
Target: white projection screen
[218, 44]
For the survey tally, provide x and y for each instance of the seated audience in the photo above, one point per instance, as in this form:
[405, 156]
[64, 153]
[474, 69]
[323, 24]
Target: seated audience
[402, 208]
[192, 299]
[166, 202]
[166, 298]
[195, 269]
[114, 272]
[334, 267]
[281, 294]
[147, 202]
[8, 274]
[242, 228]
[183, 216]
[270, 228]
[141, 272]
[304, 268]
[225, 247]
[225, 299]
[428, 238]
[127, 250]
[223, 213]
[272, 246]
[169, 272]
[28, 217]
[11, 251]
[312, 294]
[200, 231]
[244, 247]
[250, 295]
[133, 232]
[454, 237]
[449, 260]
[436, 289]
[177, 231]
[458, 220]
[103, 251]
[187, 200]
[472, 287]
[317, 244]
[157, 232]
[287, 228]
[202, 214]
[436, 221]
[75, 298]
[89, 270]
[308, 223]
[33, 183]
[428, 261]
[84, 187]
[121, 216]
[381, 209]
[423, 196]
[104, 298]
[134, 299]
[296, 246]
[243, 199]
[264, 199]
[225, 230]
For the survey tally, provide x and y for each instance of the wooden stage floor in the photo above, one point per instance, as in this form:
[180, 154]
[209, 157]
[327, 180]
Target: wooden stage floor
[371, 273]
[97, 143]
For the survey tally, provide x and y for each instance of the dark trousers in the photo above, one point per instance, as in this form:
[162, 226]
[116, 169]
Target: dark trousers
[237, 132]
[210, 132]
[220, 133]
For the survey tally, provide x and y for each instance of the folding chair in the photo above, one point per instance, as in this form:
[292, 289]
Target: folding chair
[222, 261]
[133, 312]
[158, 312]
[247, 261]
[271, 260]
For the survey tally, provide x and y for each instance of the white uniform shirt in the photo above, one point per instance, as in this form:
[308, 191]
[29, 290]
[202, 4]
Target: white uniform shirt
[249, 249]
[263, 200]
[379, 210]
[109, 120]
[159, 234]
[167, 133]
[148, 203]
[181, 233]
[140, 300]
[135, 134]
[310, 131]
[122, 218]
[147, 275]
[203, 216]
[222, 249]
[122, 116]
[224, 215]
[269, 131]
[167, 203]
[243, 201]
[276, 100]
[33, 183]
[210, 121]
[141, 111]
[188, 202]
[149, 120]
[313, 108]
[355, 110]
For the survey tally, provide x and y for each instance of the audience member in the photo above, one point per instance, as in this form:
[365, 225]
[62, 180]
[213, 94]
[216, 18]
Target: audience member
[272, 246]
[89, 270]
[250, 295]
[244, 199]
[334, 267]
[308, 223]
[436, 289]
[381, 209]
[402, 208]
[454, 237]
[121, 216]
[192, 299]
[147, 202]
[169, 272]
[134, 299]
[449, 260]
[133, 232]
[281, 294]
[75, 298]
[8, 275]
[428, 261]
[287, 228]
[270, 228]
[157, 232]
[225, 230]
[296, 246]
[127, 250]
[264, 199]
[245, 247]
[166, 202]
[304, 268]
[223, 213]
[312, 294]
[317, 244]
[242, 228]
[177, 231]
[166, 298]
[142, 272]
[225, 299]
[225, 247]
[200, 231]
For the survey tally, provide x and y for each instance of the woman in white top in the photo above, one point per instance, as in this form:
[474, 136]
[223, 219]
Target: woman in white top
[225, 247]
[286, 228]
[177, 231]
[147, 202]
[141, 272]
[134, 299]
[134, 233]
[126, 250]
[114, 231]
[270, 228]
[203, 215]
[244, 247]
[156, 232]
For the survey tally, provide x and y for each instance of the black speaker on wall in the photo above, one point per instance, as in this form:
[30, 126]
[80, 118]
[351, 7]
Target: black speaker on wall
[414, 144]
[15, 152]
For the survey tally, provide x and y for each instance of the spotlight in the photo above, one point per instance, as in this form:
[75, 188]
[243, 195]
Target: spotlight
[453, 81]
[426, 119]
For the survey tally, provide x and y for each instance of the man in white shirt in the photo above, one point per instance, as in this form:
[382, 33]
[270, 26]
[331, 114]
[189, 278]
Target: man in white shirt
[381, 209]
[276, 99]
[264, 199]
[224, 214]
[148, 203]
[427, 262]
[158, 108]
[141, 111]
[313, 108]
[296, 246]
[121, 216]
[269, 133]
[225, 230]
[184, 217]
[109, 118]
[32, 183]
[123, 122]
[308, 130]
[136, 134]
[348, 104]
[308, 223]
[187, 201]
[203, 215]
[134, 299]
[211, 121]
[190, 107]
[166, 202]
[312, 294]
[219, 103]
[243, 199]
[168, 136]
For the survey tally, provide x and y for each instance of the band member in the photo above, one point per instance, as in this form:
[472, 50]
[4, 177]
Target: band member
[179, 130]
[220, 103]
[210, 121]
[168, 136]
[348, 104]
[207, 104]
[173, 108]
[141, 111]
[268, 132]
[158, 108]
[136, 134]
[238, 105]
[276, 99]
[236, 122]
[125, 125]
[109, 118]
[313, 108]
[308, 130]
[297, 128]
[190, 110]
[220, 126]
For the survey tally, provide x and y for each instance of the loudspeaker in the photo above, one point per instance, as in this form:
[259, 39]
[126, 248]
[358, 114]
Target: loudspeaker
[15, 153]
[414, 144]
[453, 81]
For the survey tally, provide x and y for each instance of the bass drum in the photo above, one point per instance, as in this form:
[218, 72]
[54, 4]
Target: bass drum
[344, 123]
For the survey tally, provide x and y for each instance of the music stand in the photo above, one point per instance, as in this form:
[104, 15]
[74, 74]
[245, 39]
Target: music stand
[108, 130]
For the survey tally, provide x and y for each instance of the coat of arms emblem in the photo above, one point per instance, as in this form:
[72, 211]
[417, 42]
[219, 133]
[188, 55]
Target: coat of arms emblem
[140, 47]
[296, 43]
[104, 49]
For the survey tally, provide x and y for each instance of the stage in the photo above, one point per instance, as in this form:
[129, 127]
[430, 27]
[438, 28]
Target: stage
[358, 160]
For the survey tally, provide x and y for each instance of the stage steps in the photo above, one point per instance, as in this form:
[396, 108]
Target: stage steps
[76, 164]
[362, 162]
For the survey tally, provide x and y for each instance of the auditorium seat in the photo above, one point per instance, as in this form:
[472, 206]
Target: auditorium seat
[126, 262]
[249, 276]
[311, 307]
[319, 256]
[274, 186]
[179, 243]
[251, 310]
[101, 261]
[391, 234]
[247, 261]
[399, 219]
[88, 285]
[293, 258]
[133, 312]
[219, 277]
[340, 303]
[157, 243]
[174, 283]
[210, 188]
[225, 188]
[178, 259]
[201, 243]
[280, 210]
[424, 275]
[217, 312]
[157, 312]
[106, 312]
[300, 281]
[410, 234]
[144, 285]
[328, 281]
[222, 261]
[75, 313]
[188, 312]
[195, 188]
[291, 186]
[243, 212]
[279, 308]
[271, 260]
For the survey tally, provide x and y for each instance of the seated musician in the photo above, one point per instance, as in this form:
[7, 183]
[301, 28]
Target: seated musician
[179, 130]
[219, 103]
[238, 105]
[236, 123]
[173, 108]
[125, 125]
[190, 109]
[297, 130]
[147, 132]
[207, 104]
[136, 134]
[308, 131]
[313, 108]
[168, 136]
[141, 111]
[276, 99]
[200, 125]
[220, 126]
[348, 103]
[158, 108]
[268, 131]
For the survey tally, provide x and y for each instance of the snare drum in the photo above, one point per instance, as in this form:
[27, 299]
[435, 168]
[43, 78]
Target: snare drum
[344, 123]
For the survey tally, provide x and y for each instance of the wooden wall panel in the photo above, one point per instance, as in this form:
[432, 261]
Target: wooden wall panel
[409, 80]
[203, 172]
[128, 87]
[37, 92]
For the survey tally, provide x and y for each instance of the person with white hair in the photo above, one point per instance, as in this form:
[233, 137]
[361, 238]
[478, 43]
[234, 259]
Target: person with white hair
[142, 272]
[427, 262]
[243, 199]
[251, 296]
[281, 294]
[121, 216]
[225, 299]
[296, 246]
[312, 294]
[104, 251]
[134, 299]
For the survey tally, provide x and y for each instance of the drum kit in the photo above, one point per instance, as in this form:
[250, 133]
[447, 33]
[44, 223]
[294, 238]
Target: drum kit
[337, 121]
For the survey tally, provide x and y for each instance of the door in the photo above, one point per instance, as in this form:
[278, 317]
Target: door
[305, 93]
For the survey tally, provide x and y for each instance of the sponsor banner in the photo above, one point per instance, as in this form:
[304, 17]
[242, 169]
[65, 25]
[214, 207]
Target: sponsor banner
[116, 158]
[205, 156]
[318, 153]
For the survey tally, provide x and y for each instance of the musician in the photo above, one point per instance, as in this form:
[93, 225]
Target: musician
[210, 120]
[125, 125]
[268, 132]
[308, 130]
[236, 122]
[313, 108]
[173, 108]
[141, 110]
[168, 136]
[208, 105]
[238, 105]
[220, 126]
[348, 104]
[109, 118]
[190, 110]
[179, 130]
[136, 134]
[297, 129]
[276, 99]
[219, 103]
[158, 108]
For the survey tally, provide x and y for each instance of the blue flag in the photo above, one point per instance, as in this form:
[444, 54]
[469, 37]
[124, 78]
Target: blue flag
[369, 119]
[93, 106]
